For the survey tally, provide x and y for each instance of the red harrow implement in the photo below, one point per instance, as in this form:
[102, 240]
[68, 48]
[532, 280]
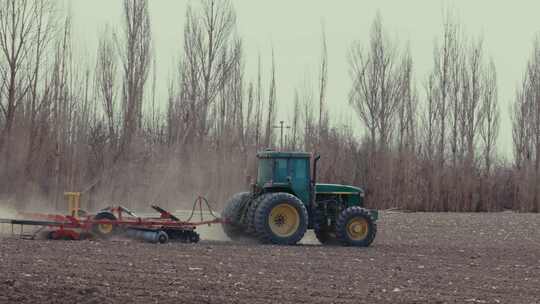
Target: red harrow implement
[118, 220]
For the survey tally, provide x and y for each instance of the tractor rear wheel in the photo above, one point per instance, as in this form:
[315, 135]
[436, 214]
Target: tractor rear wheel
[355, 227]
[104, 230]
[231, 216]
[250, 214]
[281, 218]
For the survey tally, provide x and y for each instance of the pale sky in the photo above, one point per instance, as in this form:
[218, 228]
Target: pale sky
[293, 29]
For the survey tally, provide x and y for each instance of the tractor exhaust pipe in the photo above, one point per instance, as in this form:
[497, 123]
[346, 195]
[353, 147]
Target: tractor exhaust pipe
[314, 181]
[314, 175]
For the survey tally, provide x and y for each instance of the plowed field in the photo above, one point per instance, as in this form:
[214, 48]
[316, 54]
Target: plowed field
[416, 258]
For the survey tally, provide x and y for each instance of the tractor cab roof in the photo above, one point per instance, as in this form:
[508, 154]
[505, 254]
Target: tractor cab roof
[282, 154]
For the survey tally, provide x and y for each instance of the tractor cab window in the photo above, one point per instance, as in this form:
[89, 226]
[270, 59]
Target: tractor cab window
[265, 172]
[300, 170]
[280, 170]
[283, 170]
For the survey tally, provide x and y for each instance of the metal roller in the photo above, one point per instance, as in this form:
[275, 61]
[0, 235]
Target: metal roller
[151, 236]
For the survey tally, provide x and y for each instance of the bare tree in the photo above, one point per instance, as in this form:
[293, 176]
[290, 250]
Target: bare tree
[430, 129]
[259, 107]
[448, 101]
[323, 78]
[308, 115]
[216, 25]
[271, 106]
[520, 125]
[375, 85]
[61, 81]
[250, 111]
[429, 119]
[534, 75]
[407, 106]
[38, 99]
[293, 143]
[446, 57]
[106, 82]
[21, 31]
[521, 135]
[136, 60]
[468, 115]
[489, 128]
[472, 98]
[405, 187]
[526, 134]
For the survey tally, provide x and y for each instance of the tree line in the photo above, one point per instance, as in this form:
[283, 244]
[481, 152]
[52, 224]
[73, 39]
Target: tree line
[429, 142]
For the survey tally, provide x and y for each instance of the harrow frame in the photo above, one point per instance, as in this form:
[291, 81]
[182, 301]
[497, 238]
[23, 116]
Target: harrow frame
[72, 227]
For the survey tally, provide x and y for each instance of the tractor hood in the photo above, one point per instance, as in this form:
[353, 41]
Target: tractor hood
[338, 189]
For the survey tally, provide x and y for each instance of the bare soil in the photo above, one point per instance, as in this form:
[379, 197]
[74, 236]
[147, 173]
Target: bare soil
[416, 258]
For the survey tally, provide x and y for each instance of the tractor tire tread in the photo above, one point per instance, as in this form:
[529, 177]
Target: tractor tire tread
[250, 214]
[231, 214]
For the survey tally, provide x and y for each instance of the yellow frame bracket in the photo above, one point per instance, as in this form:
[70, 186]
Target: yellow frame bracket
[74, 202]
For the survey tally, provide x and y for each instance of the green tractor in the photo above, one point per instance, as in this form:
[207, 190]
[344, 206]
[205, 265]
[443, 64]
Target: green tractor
[286, 200]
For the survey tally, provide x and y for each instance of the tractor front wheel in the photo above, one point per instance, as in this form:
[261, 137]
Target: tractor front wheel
[231, 216]
[355, 227]
[281, 218]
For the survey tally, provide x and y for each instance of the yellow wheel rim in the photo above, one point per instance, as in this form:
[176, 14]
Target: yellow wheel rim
[284, 220]
[357, 228]
[105, 228]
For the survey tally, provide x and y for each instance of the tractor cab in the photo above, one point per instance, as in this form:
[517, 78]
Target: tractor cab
[285, 171]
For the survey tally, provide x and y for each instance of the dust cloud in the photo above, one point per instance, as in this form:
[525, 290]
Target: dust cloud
[6, 210]
[213, 232]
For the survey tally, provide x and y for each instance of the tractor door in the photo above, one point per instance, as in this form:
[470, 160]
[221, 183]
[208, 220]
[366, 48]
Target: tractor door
[300, 178]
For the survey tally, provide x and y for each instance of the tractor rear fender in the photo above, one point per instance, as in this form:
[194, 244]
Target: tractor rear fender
[280, 188]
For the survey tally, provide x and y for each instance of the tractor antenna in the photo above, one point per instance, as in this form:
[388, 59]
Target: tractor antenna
[281, 127]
